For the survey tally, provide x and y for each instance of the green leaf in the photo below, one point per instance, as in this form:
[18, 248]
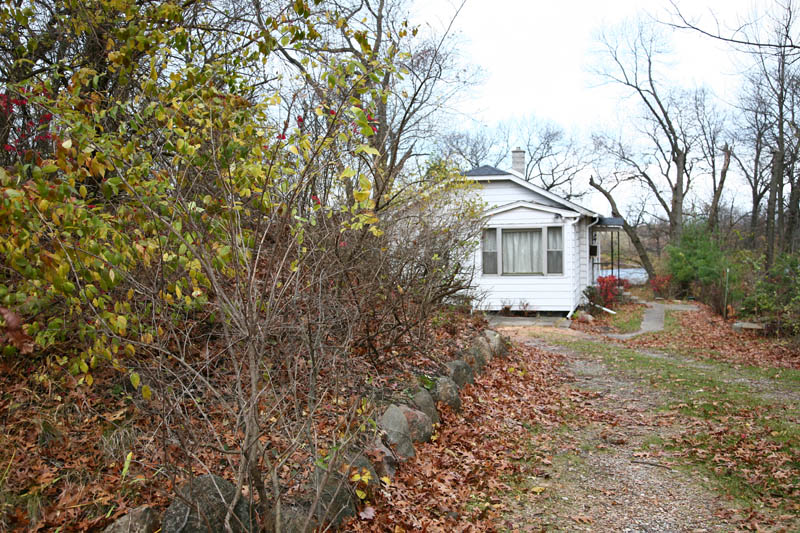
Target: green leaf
[367, 149]
[127, 466]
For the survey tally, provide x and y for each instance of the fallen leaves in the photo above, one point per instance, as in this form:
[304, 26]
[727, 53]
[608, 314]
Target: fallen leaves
[452, 484]
[703, 334]
[14, 335]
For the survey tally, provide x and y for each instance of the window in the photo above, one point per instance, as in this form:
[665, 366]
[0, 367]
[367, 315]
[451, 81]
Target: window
[555, 251]
[490, 251]
[522, 251]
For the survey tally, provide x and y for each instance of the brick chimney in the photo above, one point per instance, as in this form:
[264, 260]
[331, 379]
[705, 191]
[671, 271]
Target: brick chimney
[518, 160]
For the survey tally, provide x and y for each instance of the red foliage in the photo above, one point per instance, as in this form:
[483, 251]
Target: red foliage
[660, 285]
[608, 286]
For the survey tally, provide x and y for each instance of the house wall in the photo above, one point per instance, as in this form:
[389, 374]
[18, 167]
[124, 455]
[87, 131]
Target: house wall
[497, 193]
[542, 292]
[581, 246]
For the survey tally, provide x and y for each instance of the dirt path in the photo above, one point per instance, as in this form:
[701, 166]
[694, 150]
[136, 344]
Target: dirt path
[606, 476]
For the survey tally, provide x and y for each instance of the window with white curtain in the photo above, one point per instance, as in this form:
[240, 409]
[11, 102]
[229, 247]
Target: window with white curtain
[490, 251]
[522, 251]
[555, 250]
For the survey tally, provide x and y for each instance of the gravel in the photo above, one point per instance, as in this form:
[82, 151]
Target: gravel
[605, 477]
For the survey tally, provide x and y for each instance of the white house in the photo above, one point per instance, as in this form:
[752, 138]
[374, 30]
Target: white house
[538, 250]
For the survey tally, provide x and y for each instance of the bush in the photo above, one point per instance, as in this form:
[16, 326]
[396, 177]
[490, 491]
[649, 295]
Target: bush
[774, 295]
[607, 291]
[661, 285]
[701, 268]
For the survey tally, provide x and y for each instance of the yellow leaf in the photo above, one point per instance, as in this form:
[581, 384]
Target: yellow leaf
[293, 149]
[89, 379]
[355, 478]
[361, 196]
[83, 191]
[67, 144]
[537, 490]
[130, 350]
[386, 481]
[361, 494]
[146, 392]
[135, 380]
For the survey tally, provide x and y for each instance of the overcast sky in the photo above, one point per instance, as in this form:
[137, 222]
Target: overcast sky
[537, 57]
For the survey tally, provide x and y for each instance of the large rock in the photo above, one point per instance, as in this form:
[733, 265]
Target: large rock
[358, 463]
[335, 501]
[747, 326]
[497, 343]
[140, 520]
[424, 402]
[419, 424]
[446, 391]
[460, 372]
[335, 505]
[201, 505]
[293, 519]
[382, 459]
[477, 354]
[394, 423]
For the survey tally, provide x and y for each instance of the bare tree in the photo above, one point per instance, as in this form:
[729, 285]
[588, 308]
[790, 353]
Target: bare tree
[471, 149]
[662, 165]
[753, 127]
[554, 160]
[711, 130]
[769, 37]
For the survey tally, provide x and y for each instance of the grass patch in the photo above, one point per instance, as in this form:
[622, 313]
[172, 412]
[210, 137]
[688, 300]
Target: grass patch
[628, 319]
[746, 445]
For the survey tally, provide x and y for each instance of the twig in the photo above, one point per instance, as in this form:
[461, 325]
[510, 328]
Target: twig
[650, 464]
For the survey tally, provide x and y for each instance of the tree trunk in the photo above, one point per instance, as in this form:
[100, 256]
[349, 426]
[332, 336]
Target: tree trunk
[777, 174]
[713, 213]
[644, 257]
[676, 212]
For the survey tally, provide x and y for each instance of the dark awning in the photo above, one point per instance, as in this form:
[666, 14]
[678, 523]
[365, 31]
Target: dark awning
[610, 222]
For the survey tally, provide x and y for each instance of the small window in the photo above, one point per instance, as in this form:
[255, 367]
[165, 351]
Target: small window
[490, 251]
[555, 250]
[522, 251]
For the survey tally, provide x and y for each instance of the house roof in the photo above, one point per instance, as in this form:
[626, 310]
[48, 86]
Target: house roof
[488, 173]
[485, 170]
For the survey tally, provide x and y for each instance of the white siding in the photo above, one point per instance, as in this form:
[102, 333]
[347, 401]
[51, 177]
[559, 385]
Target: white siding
[579, 264]
[523, 217]
[543, 292]
[497, 193]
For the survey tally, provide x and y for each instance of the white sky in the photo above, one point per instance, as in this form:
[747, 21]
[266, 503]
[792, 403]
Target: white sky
[537, 57]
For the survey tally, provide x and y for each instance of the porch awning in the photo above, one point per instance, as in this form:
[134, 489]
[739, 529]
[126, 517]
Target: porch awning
[609, 224]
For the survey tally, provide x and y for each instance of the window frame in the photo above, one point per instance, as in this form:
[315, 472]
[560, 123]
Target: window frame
[500, 230]
[540, 261]
[548, 250]
[495, 252]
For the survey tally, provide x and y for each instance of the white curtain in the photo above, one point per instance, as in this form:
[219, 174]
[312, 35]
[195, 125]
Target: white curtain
[555, 251]
[490, 251]
[522, 252]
